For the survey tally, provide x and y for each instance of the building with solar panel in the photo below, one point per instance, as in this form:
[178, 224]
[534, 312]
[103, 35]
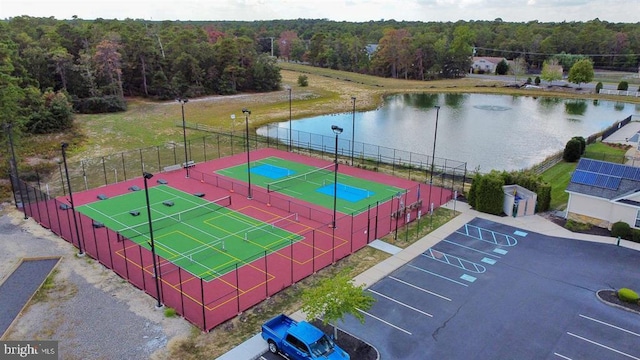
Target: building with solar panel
[602, 193]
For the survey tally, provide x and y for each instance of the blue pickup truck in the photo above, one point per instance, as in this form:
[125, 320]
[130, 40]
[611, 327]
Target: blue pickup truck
[300, 340]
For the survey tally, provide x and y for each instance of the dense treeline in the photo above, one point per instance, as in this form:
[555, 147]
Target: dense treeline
[95, 64]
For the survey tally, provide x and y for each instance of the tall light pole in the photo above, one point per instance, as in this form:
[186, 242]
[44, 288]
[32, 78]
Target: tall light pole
[290, 137]
[353, 128]
[146, 177]
[246, 113]
[433, 158]
[64, 146]
[337, 130]
[13, 169]
[183, 101]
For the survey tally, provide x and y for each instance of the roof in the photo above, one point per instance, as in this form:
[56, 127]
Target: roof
[491, 59]
[605, 180]
[306, 332]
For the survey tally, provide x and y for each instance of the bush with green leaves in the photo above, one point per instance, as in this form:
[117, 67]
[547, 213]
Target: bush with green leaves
[621, 229]
[583, 143]
[537, 80]
[572, 151]
[599, 87]
[623, 85]
[628, 295]
[635, 235]
[303, 80]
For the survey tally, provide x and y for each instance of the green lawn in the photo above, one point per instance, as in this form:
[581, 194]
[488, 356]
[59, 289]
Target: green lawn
[560, 174]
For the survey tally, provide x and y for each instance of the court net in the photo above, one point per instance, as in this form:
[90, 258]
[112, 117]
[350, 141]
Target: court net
[302, 178]
[172, 219]
[202, 253]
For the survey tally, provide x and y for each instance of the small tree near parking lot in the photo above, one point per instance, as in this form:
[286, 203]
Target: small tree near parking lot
[334, 297]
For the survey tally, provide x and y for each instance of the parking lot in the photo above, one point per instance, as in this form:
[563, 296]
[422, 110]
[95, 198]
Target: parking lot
[492, 291]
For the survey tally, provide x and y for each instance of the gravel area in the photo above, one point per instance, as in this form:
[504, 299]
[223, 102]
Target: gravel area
[92, 312]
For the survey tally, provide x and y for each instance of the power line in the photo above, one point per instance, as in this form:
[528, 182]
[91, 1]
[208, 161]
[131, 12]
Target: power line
[547, 54]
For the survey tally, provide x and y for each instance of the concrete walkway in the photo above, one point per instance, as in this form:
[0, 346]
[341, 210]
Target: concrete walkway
[252, 348]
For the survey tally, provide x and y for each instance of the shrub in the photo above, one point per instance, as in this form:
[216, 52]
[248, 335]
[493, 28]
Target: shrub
[169, 312]
[303, 80]
[572, 151]
[537, 81]
[599, 87]
[635, 235]
[621, 229]
[628, 295]
[623, 85]
[575, 226]
[583, 143]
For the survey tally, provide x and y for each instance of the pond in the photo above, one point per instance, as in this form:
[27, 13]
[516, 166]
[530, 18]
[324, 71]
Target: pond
[486, 131]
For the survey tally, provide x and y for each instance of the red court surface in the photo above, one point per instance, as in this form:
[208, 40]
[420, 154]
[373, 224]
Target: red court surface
[247, 281]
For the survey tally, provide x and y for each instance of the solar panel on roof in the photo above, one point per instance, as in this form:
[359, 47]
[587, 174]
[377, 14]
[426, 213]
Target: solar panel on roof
[606, 168]
[617, 170]
[593, 179]
[594, 166]
[583, 164]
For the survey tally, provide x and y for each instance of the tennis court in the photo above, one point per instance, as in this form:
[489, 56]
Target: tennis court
[313, 184]
[203, 237]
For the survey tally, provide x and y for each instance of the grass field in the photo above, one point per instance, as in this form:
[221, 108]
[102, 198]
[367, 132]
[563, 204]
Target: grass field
[560, 174]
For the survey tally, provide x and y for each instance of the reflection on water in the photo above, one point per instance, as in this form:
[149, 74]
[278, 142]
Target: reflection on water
[487, 131]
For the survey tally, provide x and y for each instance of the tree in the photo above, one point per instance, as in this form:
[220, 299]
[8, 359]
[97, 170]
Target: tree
[551, 71]
[518, 67]
[333, 298]
[502, 67]
[581, 72]
[572, 150]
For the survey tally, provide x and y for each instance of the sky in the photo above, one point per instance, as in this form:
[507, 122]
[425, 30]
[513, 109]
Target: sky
[626, 11]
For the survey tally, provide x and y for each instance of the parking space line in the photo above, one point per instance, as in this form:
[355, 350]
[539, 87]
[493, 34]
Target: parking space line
[475, 232]
[603, 346]
[562, 356]
[386, 322]
[419, 288]
[454, 261]
[610, 325]
[437, 275]
[401, 303]
[470, 248]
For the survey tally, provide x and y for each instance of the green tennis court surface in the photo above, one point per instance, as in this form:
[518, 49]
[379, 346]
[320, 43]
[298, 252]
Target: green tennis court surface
[203, 237]
[312, 184]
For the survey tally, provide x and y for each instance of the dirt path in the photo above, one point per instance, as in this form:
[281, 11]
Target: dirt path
[93, 313]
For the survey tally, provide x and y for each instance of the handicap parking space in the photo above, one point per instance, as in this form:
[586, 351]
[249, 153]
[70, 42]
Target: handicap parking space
[489, 290]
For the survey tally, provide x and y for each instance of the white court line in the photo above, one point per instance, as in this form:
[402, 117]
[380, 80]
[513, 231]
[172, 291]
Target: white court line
[386, 322]
[419, 288]
[610, 325]
[401, 303]
[562, 356]
[603, 346]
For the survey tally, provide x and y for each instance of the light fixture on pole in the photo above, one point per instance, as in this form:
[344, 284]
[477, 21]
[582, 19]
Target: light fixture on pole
[433, 159]
[146, 177]
[73, 207]
[290, 137]
[353, 128]
[246, 113]
[337, 130]
[183, 101]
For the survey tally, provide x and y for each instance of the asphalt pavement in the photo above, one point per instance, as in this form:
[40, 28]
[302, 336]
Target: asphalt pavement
[255, 346]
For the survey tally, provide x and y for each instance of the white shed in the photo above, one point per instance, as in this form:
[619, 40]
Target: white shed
[519, 201]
